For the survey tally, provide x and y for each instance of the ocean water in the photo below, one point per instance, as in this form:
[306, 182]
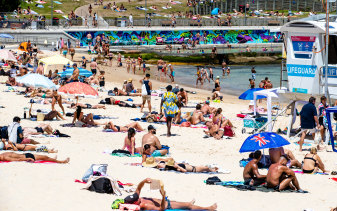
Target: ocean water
[236, 83]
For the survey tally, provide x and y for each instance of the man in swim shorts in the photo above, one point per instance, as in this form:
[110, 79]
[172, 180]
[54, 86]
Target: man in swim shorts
[154, 143]
[251, 175]
[280, 177]
[146, 203]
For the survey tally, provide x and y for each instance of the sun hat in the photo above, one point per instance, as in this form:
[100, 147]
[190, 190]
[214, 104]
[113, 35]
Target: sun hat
[149, 162]
[218, 77]
[170, 162]
[130, 80]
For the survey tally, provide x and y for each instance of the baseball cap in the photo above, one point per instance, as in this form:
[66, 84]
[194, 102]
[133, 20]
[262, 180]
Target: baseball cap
[131, 198]
[151, 127]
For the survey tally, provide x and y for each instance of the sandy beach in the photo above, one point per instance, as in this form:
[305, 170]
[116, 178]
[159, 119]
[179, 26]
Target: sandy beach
[30, 186]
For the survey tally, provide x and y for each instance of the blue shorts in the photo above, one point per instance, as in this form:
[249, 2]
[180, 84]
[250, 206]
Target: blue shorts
[156, 153]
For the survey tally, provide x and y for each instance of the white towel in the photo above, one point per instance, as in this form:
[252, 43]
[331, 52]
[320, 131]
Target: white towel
[13, 132]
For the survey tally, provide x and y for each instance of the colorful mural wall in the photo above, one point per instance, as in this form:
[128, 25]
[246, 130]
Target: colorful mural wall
[204, 36]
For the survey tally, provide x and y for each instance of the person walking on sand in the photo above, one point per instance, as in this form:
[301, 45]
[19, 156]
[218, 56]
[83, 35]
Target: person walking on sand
[168, 104]
[133, 65]
[128, 64]
[146, 92]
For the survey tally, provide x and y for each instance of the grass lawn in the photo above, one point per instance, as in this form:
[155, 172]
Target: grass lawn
[66, 7]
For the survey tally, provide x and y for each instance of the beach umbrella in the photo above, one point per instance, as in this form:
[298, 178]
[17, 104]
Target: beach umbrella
[69, 71]
[37, 81]
[7, 55]
[265, 140]
[249, 94]
[8, 36]
[78, 89]
[215, 11]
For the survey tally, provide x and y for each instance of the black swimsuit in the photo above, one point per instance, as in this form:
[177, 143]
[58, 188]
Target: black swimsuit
[29, 155]
[310, 171]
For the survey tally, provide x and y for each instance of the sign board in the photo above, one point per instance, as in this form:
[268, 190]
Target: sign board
[302, 46]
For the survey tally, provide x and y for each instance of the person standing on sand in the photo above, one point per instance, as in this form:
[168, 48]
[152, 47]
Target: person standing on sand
[168, 104]
[40, 69]
[94, 66]
[147, 85]
[133, 65]
[128, 64]
[72, 53]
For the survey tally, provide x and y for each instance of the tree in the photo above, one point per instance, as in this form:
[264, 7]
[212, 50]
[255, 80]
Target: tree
[9, 6]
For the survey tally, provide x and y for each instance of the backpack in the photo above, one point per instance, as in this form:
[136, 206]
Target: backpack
[4, 132]
[228, 131]
[212, 180]
[101, 185]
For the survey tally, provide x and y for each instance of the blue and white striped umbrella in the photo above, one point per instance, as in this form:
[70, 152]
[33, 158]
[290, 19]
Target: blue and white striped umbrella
[37, 81]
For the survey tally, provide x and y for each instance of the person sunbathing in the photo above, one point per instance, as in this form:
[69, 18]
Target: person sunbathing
[86, 119]
[155, 117]
[25, 147]
[276, 153]
[206, 109]
[130, 142]
[119, 92]
[113, 101]
[251, 175]
[125, 128]
[214, 130]
[12, 156]
[182, 167]
[86, 106]
[50, 116]
[312, 162]
[40, 129]
[146, 203]
[150, 151]
[280, 177]
[154, 143]
[197, 116]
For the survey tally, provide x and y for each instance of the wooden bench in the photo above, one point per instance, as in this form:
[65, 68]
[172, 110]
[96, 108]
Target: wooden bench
[166, 23]
[195, 23]
[274, 23]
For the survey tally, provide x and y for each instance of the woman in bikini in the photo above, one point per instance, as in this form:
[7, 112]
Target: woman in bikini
[125, 128]
[129, 142]
[140, 61]
[128, 64]
[25, 147]
[217, 118]
[86, 119]
[183, 167]
[312, 162]
[133, 64]
[56, 98]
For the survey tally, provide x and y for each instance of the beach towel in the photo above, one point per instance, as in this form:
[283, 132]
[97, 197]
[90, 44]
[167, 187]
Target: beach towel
[60, 12]
[73, 125]
[112, 131]
[334, 179]
[141, 8]
[320, 173]
[97, 117]
[57, 2]
[165, 8]
[37, 161]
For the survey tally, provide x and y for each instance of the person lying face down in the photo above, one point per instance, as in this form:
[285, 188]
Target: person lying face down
[12, 156]
[146, 203]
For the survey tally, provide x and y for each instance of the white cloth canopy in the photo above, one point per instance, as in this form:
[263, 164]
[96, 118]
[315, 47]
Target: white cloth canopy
[269, 93]
[54, 60]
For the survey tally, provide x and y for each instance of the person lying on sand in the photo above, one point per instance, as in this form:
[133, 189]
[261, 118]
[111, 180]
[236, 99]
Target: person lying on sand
[25, 147]
[251, 175]
[40, 129]
[150, 151]
[280, 177]
[86, 106]
[113, 101]
[147, 203]
[171, 165]
[48, 117]
[276, 153]
[206, 109]
[119, 92]
[130, 142]
[125, 128]
[155, 117]
[12, 156]
[312, 162]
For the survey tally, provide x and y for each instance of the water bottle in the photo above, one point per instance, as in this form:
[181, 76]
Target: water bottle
[24, 114]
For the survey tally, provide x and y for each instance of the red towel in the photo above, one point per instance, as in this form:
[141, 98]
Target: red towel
[127, 184]
[334, 179]
[80, 181]
[37, 161]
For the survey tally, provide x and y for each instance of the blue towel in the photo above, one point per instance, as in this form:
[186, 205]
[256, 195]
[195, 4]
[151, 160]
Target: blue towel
[57, 2]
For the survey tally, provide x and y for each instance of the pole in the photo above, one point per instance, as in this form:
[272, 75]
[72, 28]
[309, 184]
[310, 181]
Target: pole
[52, 10]
[245, 13]
[326, 50]
[145, 14]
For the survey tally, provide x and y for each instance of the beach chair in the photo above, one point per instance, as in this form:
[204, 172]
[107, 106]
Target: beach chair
[253, 123]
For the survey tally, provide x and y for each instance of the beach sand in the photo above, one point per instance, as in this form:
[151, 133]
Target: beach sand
[27, 186]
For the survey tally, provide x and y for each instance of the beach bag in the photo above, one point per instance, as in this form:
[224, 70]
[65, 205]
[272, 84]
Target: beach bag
[228, 131]
[95, 168]
[101, 185]
[212, 180]
[144, 91]
[115, 204]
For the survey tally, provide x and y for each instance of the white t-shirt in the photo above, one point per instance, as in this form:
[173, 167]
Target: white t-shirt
[130, 18]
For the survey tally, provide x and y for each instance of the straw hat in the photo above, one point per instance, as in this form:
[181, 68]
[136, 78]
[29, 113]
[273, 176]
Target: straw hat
[251, 102]
[170, 162]
[149, 162]
[130, 80]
